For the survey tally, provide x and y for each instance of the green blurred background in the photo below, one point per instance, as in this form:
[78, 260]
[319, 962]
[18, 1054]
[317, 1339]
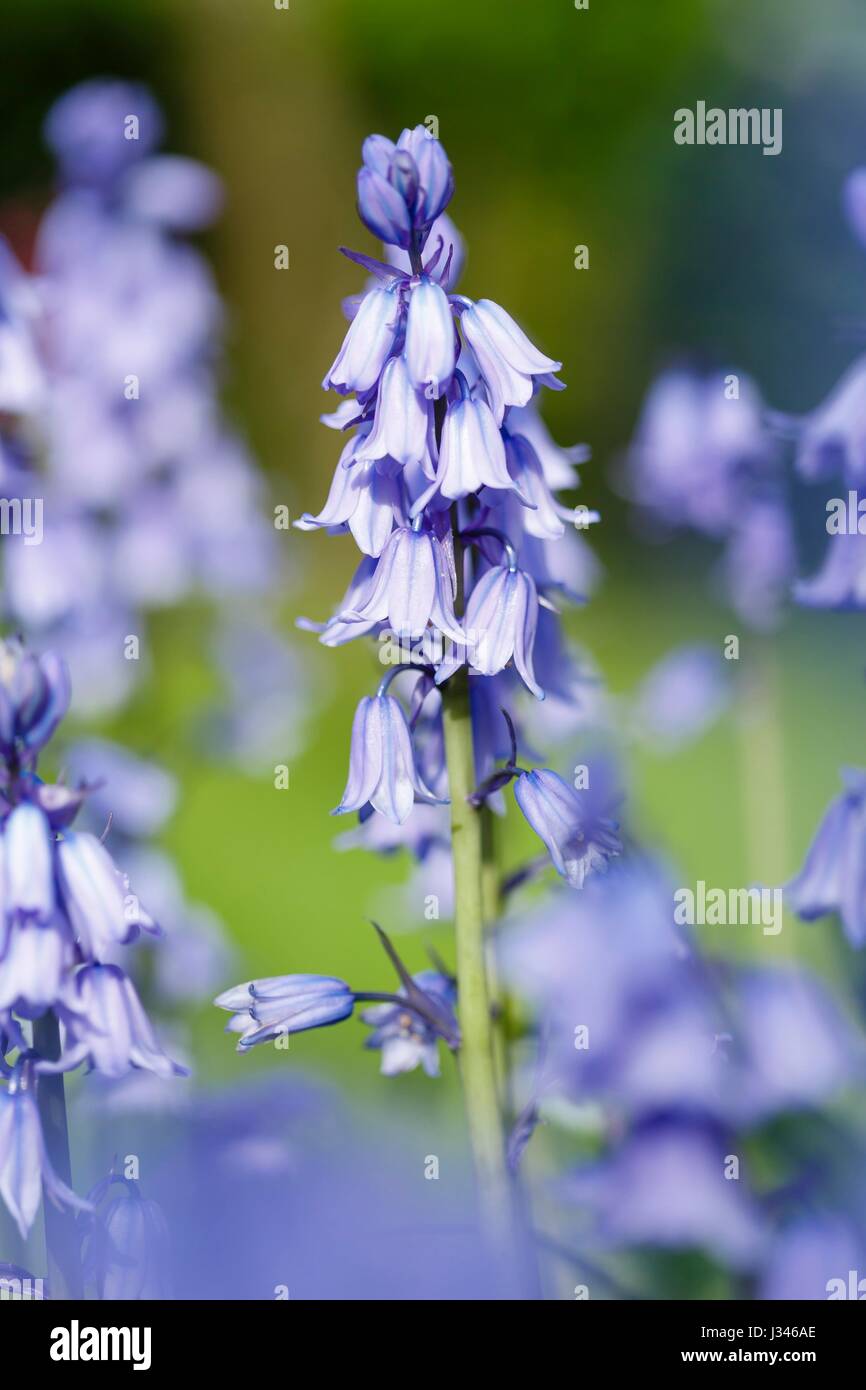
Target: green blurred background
[559, 124]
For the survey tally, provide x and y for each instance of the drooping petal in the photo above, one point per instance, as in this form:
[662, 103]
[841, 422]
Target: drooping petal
[29, 864]
[92, 893]
[365, 757]
[430, 345]
[402, 418]
[368, 342]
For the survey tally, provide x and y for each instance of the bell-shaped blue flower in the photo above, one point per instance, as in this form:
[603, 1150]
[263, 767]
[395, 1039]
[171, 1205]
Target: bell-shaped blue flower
[92, 891]
[471, 452]
[25, 1168]
[402, 418]
[34, 697]
[29, 865]
[406, 1038]
[430, 339]
[107, 1026]
[364, 497]
[382, 766]
[266, 1009]
[412, 587]
[367, 345]
[403, 188]
[833, 877]
[575, 825]
[500, 621]
[33, 966]
[508, 361]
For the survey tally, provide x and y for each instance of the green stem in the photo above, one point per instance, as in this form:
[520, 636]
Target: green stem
[61, 1237]
[477, 1054]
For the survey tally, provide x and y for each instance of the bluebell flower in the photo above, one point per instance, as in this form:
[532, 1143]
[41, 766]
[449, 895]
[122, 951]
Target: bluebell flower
[94, 900]
[87, 130]
[576, 826]
[34, 697]
[666, 1186]
[694, 448]
[507, 359]
[382, 767]
[500, 620]
[796, 1049]
[28, 854]
[814, 1250]
[430, 338]
[412, 587]
[833, 876]
[368, 343]
[126, 1252]
[403, 188]
[266, 1009]
[681, 696]
[364, 496]
[406, 1039]
[107, 1026]
[25, 1168]
[472, 451]
[402, 420]
[34, 964]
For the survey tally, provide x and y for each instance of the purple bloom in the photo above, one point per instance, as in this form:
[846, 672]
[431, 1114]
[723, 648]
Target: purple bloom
[126, 1253]
[833, 877]
[509, 362]
[403, 188]
[362, 496]
[402, 418]
[34, 697]
[382, 767]
[575, 825]
[100, 127]
[797, 1049]
[500, 621]
[666, 1186]
[25, 1168]
[33, 966]
[411, 587]
[367, 345]
[406, 1039]
[681, 697]
[694, 444]
[266, 1009]
[472, 452]
[430, 339]
[107, 1026]
[93, 896]
[27, 851]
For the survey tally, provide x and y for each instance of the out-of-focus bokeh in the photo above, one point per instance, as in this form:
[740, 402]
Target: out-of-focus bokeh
[559, 124]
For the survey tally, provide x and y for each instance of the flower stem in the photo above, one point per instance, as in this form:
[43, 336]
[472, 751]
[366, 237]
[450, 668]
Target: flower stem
[61, 1239]
[477, 1055]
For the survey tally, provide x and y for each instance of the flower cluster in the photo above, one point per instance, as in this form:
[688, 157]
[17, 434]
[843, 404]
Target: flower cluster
[674, 1066]
[447, 482]
[65, 910]
[112, 438]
